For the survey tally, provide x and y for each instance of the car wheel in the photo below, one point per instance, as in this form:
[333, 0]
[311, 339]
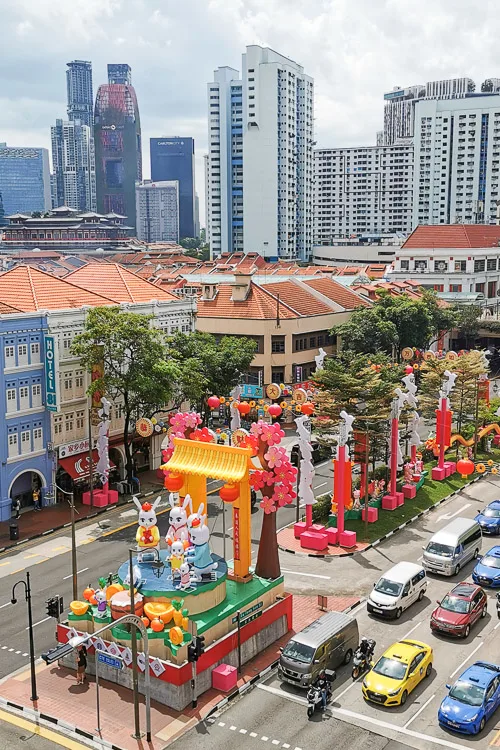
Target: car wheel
[404, 698]
[466, 631]
[457, 570]
[348, 656]
[476, 553]
[428, 670]
[399, 612]
[485, 611]
[481, 726]
[420, 595]
[310, 711]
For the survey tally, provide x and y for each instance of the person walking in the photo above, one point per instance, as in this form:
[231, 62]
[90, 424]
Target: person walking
[16, 508]
[36, 499]
[81, 664]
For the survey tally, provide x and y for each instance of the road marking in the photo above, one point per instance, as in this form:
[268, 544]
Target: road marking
[496, 626]
[40, 731]
[233, 729]
[318, 486]
[40, 622]
[229, 529]
[420, 710]
[411, 631]
[283, 694]
[276, 742]
[337, 697]
[264, 738]
[77, 572]
[243, 731]
[447, 516]
[307, 575]
[285, 746]
[253, 734]
[58, 549]
[394, 728]
[5, 605]
[5, 563]
[466, 660]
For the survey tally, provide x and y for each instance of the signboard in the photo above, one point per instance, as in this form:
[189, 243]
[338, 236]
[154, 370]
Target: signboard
[239, 436]
[110, 661]
[236, 533]
[51, 374]
[71, 449]
[97, 374]
[252, 391]
[249, 614]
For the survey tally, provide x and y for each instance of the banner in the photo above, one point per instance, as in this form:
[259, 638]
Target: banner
[97, 373]
[51, 374]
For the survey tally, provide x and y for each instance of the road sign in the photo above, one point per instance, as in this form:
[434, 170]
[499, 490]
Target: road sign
[249, 614]
[110, 661]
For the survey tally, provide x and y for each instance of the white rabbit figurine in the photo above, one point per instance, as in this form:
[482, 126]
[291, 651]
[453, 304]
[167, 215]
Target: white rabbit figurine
[178, 529]
[185, 574]
[101, 599]
[199, 555]
[148, 535]
[176, 559]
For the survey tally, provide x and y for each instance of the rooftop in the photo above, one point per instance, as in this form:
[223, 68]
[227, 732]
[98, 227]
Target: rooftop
[118, 283]
[453, 236]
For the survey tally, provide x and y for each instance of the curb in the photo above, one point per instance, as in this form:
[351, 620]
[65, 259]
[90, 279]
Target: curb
[77, 520]
[382, 538]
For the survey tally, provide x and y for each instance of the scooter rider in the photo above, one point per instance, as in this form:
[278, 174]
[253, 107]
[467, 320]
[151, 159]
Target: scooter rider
[323, 683]
[366, 647]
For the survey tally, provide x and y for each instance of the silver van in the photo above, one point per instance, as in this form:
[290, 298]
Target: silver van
[324, 644]
[451, 548]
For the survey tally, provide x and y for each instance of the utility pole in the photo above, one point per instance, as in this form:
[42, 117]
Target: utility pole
[91, 467]
[133, 634]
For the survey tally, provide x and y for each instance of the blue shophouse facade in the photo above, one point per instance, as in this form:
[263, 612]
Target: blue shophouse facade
[25, 460]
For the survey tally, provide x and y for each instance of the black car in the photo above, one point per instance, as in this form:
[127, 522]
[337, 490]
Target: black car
[319, 453]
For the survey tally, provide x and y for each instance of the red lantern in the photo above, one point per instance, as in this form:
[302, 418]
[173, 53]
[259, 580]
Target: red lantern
[229, 493]
[243, 408]
[275, 410]
[173, 482]
[465, 466]
[213, 402]
[408, 369]
[307, 408]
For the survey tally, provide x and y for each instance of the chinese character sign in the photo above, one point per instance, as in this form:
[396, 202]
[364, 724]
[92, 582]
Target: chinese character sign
[51, 374]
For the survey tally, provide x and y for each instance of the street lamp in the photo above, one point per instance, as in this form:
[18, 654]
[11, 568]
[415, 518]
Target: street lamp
[74, 568]
[27, 596]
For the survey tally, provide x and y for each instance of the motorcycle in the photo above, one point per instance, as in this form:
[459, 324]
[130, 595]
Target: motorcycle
[314, 700]
[362, 662]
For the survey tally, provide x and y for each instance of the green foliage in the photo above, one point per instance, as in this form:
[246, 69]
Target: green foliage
[367, 331]
[321, 508]
[190, 243]
[468, 321]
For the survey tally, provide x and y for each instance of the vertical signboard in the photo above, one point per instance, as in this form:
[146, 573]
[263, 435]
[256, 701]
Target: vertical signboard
[51, 374]
[97, 374]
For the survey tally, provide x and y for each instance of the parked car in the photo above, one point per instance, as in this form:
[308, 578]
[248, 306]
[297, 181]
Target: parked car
[473, 698]
[459, 610]
[402, 585]
[319, 453]
[398, 671]
[487, 570]
[489, 518]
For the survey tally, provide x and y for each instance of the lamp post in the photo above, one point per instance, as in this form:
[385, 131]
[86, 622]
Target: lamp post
[133, 635]
[27, 596]
[74, 569]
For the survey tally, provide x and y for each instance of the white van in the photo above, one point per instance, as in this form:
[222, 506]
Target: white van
[397, 589]
[451, 548]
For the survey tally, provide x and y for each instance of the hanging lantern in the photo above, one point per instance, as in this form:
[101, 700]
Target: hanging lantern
[408, 369]
[213, 402]
[308, 408]
[229, 493]
[465, 466]
[275, 410]
[243, 408]
[174, 482]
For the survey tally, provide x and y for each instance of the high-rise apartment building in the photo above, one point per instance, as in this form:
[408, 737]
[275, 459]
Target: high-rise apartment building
[120, 73]
[457, 160]
[117, 136]
[73, 162]
[158, 208]
[260, 167]
[80, 94]
[362, 191]
[173, 159]
[24, 179]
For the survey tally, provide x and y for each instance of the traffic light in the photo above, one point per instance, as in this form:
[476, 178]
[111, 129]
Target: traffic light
[55, 606]
[192, 651]
[200, 645]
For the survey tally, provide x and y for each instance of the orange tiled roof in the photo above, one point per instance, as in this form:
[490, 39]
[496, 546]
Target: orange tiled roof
[7, 309]
[453, 236]
[337, 293]
[259, 305]
[120, 284]
[29, 289]
[298, 298]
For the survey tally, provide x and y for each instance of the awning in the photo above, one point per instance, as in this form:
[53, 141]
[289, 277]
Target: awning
[224, 462]
[78, 466]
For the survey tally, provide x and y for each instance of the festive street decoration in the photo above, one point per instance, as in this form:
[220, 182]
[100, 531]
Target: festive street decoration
[148, 535]
[443, 427]
[342, 476]
[305, 490]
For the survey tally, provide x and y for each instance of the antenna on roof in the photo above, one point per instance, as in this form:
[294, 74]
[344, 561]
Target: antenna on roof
[278, 324]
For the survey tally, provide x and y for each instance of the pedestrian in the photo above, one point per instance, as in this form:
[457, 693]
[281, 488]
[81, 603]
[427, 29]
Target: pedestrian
[36, 499]
[16, 508]
[81, 664]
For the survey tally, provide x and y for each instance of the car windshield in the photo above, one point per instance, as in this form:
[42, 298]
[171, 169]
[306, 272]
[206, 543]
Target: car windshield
[492, 513]
[392, 668]
[440, 549]
[471, 695]
[454, 604]
[491, 561]
[384, 586]
[299, 652]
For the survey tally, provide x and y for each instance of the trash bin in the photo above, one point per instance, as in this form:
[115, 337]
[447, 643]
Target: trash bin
[14, 531]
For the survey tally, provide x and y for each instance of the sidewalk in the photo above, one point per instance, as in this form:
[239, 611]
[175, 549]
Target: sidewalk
[33, 524]
[68, 705]
[288, 543]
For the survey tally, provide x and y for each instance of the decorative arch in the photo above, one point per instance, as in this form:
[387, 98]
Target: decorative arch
[26, 471]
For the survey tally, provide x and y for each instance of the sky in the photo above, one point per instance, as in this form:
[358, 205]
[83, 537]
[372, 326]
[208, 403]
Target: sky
[354, 49]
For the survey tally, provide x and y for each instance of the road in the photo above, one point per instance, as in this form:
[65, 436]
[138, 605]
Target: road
[16, 733]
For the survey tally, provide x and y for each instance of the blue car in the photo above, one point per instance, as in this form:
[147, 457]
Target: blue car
[473, 698]
[489, 518]
[487, 570]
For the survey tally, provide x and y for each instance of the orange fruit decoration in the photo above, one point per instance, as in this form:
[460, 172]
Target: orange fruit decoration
[145, 622]
[176, 635]
[157, 625]
[88, 593]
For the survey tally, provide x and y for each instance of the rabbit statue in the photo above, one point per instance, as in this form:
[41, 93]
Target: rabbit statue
[198, 555]
[178, 529]
[185, 574]
[176, 559]
[148, 536]
[101, 599]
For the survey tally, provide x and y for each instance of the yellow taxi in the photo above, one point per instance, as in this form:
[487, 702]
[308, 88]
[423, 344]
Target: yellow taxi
[398, 671]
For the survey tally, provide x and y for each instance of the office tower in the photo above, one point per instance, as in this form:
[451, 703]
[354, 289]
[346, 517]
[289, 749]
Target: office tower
[457, 160]
[197, 227]
[24, 179]
[362, 191]
[80, 94]
[173, 159]
[158, 208]
[120, 73]
[260, 157]
[2, 213]
[117, 136]
[73, 163]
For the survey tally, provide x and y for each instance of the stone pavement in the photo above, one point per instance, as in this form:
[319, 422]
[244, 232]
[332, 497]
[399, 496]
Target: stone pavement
[288, 543]
[75, 705]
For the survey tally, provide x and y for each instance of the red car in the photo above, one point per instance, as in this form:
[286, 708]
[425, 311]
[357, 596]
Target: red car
[459, 609]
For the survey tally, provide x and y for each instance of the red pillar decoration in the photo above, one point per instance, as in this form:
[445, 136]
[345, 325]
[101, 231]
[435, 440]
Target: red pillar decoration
[342, 485]
[413, 455]
[309, 515]
[443, 435]
[394, 499]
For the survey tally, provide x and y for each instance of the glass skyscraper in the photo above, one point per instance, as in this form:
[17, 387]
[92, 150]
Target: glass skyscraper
[80, 94]
[24, 179]
[173, 159]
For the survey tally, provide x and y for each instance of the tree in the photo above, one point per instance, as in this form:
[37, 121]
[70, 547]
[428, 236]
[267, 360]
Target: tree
[190, 243]
[366, 331]
[131, 354]
[468, 322]
[487, 85]
[209, 366]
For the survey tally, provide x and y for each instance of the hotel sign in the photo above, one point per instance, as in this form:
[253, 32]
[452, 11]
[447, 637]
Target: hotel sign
[51, 374]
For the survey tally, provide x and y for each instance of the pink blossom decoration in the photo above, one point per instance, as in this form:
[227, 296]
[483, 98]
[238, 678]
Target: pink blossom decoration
[268, 478]
[282, 495]
[257, 480]
[275, 457]
[192, 419]
[177, 421]
[256, 428]
[268, 505]
[286, 473]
